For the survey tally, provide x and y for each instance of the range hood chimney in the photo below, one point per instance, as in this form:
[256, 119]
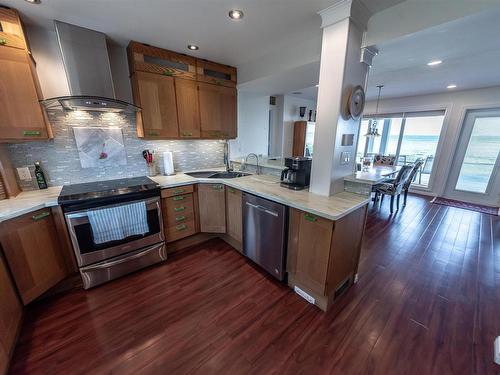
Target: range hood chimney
[86, 62]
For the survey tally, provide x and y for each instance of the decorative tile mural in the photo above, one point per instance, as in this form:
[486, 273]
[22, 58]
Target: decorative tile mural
[61, 163]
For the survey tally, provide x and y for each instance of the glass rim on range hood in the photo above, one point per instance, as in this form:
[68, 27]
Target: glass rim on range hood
[89, 103]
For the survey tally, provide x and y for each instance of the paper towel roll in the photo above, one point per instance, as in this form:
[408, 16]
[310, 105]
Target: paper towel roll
[168, 163]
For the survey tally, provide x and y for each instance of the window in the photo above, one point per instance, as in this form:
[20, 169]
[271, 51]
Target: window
[408, 136]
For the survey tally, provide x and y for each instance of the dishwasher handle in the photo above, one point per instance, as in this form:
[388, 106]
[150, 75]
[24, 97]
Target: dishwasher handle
[262, 208]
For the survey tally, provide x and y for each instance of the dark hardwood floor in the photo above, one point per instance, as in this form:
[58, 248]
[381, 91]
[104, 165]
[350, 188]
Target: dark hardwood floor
[427, 302]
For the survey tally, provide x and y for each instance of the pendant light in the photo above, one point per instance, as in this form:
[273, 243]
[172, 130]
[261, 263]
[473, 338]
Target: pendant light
[373, 127]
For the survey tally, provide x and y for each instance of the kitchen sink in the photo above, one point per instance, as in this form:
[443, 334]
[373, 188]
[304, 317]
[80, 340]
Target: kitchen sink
[217, 174]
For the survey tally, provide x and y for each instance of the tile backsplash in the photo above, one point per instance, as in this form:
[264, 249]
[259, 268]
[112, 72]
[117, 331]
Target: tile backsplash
[61, 163]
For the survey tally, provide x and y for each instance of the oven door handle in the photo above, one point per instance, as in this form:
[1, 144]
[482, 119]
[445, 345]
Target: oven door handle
[122, 259]
[83, 213]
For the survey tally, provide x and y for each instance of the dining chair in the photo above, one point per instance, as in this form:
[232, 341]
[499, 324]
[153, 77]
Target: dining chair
[384, 160]
[395, 187]
[416, 167]
[427, 168]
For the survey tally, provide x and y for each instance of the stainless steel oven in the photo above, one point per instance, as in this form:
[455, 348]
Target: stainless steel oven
[88, 252]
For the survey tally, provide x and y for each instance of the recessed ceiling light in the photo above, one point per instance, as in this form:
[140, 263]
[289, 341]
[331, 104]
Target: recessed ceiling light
[193, 47]
[453, 86]
[434, 62]
[236, 14]
[33, 1]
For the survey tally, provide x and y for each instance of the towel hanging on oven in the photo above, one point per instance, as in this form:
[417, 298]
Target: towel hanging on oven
[119, 222]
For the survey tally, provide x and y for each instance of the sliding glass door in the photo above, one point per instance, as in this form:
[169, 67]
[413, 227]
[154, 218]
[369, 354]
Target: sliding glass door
[474, 176]
[407, 136]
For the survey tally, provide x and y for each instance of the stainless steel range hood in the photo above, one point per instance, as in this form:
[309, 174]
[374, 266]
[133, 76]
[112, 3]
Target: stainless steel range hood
[86, 62]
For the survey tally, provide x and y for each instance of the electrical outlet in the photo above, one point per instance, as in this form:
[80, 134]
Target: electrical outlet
[24, 174]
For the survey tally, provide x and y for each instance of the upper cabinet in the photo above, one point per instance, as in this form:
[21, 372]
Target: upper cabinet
[11, 30]
[182, 97]
[217, 111]
[156, 96]
[216, 74]
[21, 115]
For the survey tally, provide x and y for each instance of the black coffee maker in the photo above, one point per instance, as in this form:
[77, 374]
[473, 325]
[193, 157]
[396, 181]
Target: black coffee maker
[297, 173]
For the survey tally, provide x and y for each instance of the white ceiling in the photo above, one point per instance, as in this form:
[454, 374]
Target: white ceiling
[173, 24]
[469, 48]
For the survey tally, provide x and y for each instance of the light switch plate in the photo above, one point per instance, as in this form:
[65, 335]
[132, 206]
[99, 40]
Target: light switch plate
[24, 174]
[345, 157]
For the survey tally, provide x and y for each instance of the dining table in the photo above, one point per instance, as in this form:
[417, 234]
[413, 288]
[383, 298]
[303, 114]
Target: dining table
[373, 175]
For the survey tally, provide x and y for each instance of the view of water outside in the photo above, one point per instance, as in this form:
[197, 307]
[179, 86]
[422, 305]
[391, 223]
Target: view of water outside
[420, 141]
[481, 155]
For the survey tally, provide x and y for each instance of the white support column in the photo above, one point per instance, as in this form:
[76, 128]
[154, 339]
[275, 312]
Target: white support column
[341, 69]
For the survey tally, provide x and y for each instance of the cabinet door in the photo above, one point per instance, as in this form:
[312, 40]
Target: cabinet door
[210, 110]
[10, 316]
[212, 208]
[155, 94]
[229, 104]
[234, 214]
[309, 249]
[32, 251]
[188, 112]
[21, 115]
[217, 111]
[11, 30]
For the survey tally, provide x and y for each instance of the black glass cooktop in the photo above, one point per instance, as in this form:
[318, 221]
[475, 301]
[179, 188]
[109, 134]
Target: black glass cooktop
[104, 190]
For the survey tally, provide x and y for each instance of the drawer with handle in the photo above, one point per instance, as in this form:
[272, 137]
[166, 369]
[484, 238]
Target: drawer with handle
[165, 193]
[174, 206]
[180, 230]
[178, 218]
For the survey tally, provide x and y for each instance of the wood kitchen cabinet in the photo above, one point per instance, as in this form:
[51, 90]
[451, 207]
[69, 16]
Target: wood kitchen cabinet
[155, 94]
[21, 115]
[179, 213]
[212, 208]
[33, 253]
[11, 30]
[234, 214]
[10, 316]
[218, 118]
[182, 97]
[323, 255]
[188, 111]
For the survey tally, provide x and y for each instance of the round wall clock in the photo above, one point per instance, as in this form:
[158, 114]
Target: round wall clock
[356, 102]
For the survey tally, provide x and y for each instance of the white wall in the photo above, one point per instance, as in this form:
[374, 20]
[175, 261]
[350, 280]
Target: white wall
[456, 104]
[291, 105]
[253, 125]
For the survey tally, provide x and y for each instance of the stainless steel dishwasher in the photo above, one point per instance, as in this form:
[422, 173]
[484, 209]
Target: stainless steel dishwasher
[264, 233]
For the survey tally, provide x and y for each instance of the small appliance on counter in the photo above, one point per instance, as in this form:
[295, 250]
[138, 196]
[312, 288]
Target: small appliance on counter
[115, 226]
[297, 174]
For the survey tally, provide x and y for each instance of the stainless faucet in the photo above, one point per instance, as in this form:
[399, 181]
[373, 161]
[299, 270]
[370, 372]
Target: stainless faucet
[256, 158]
[227, 162]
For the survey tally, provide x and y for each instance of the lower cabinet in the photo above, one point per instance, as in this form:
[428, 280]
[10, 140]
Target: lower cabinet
[10, 316]
[234, 214]
[212, 208]
[179, 215]
[323, 255]
[32, 249]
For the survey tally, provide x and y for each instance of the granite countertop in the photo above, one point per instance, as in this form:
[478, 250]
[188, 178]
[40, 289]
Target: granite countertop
[333, 208]
[28, 201]
[265, 186]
